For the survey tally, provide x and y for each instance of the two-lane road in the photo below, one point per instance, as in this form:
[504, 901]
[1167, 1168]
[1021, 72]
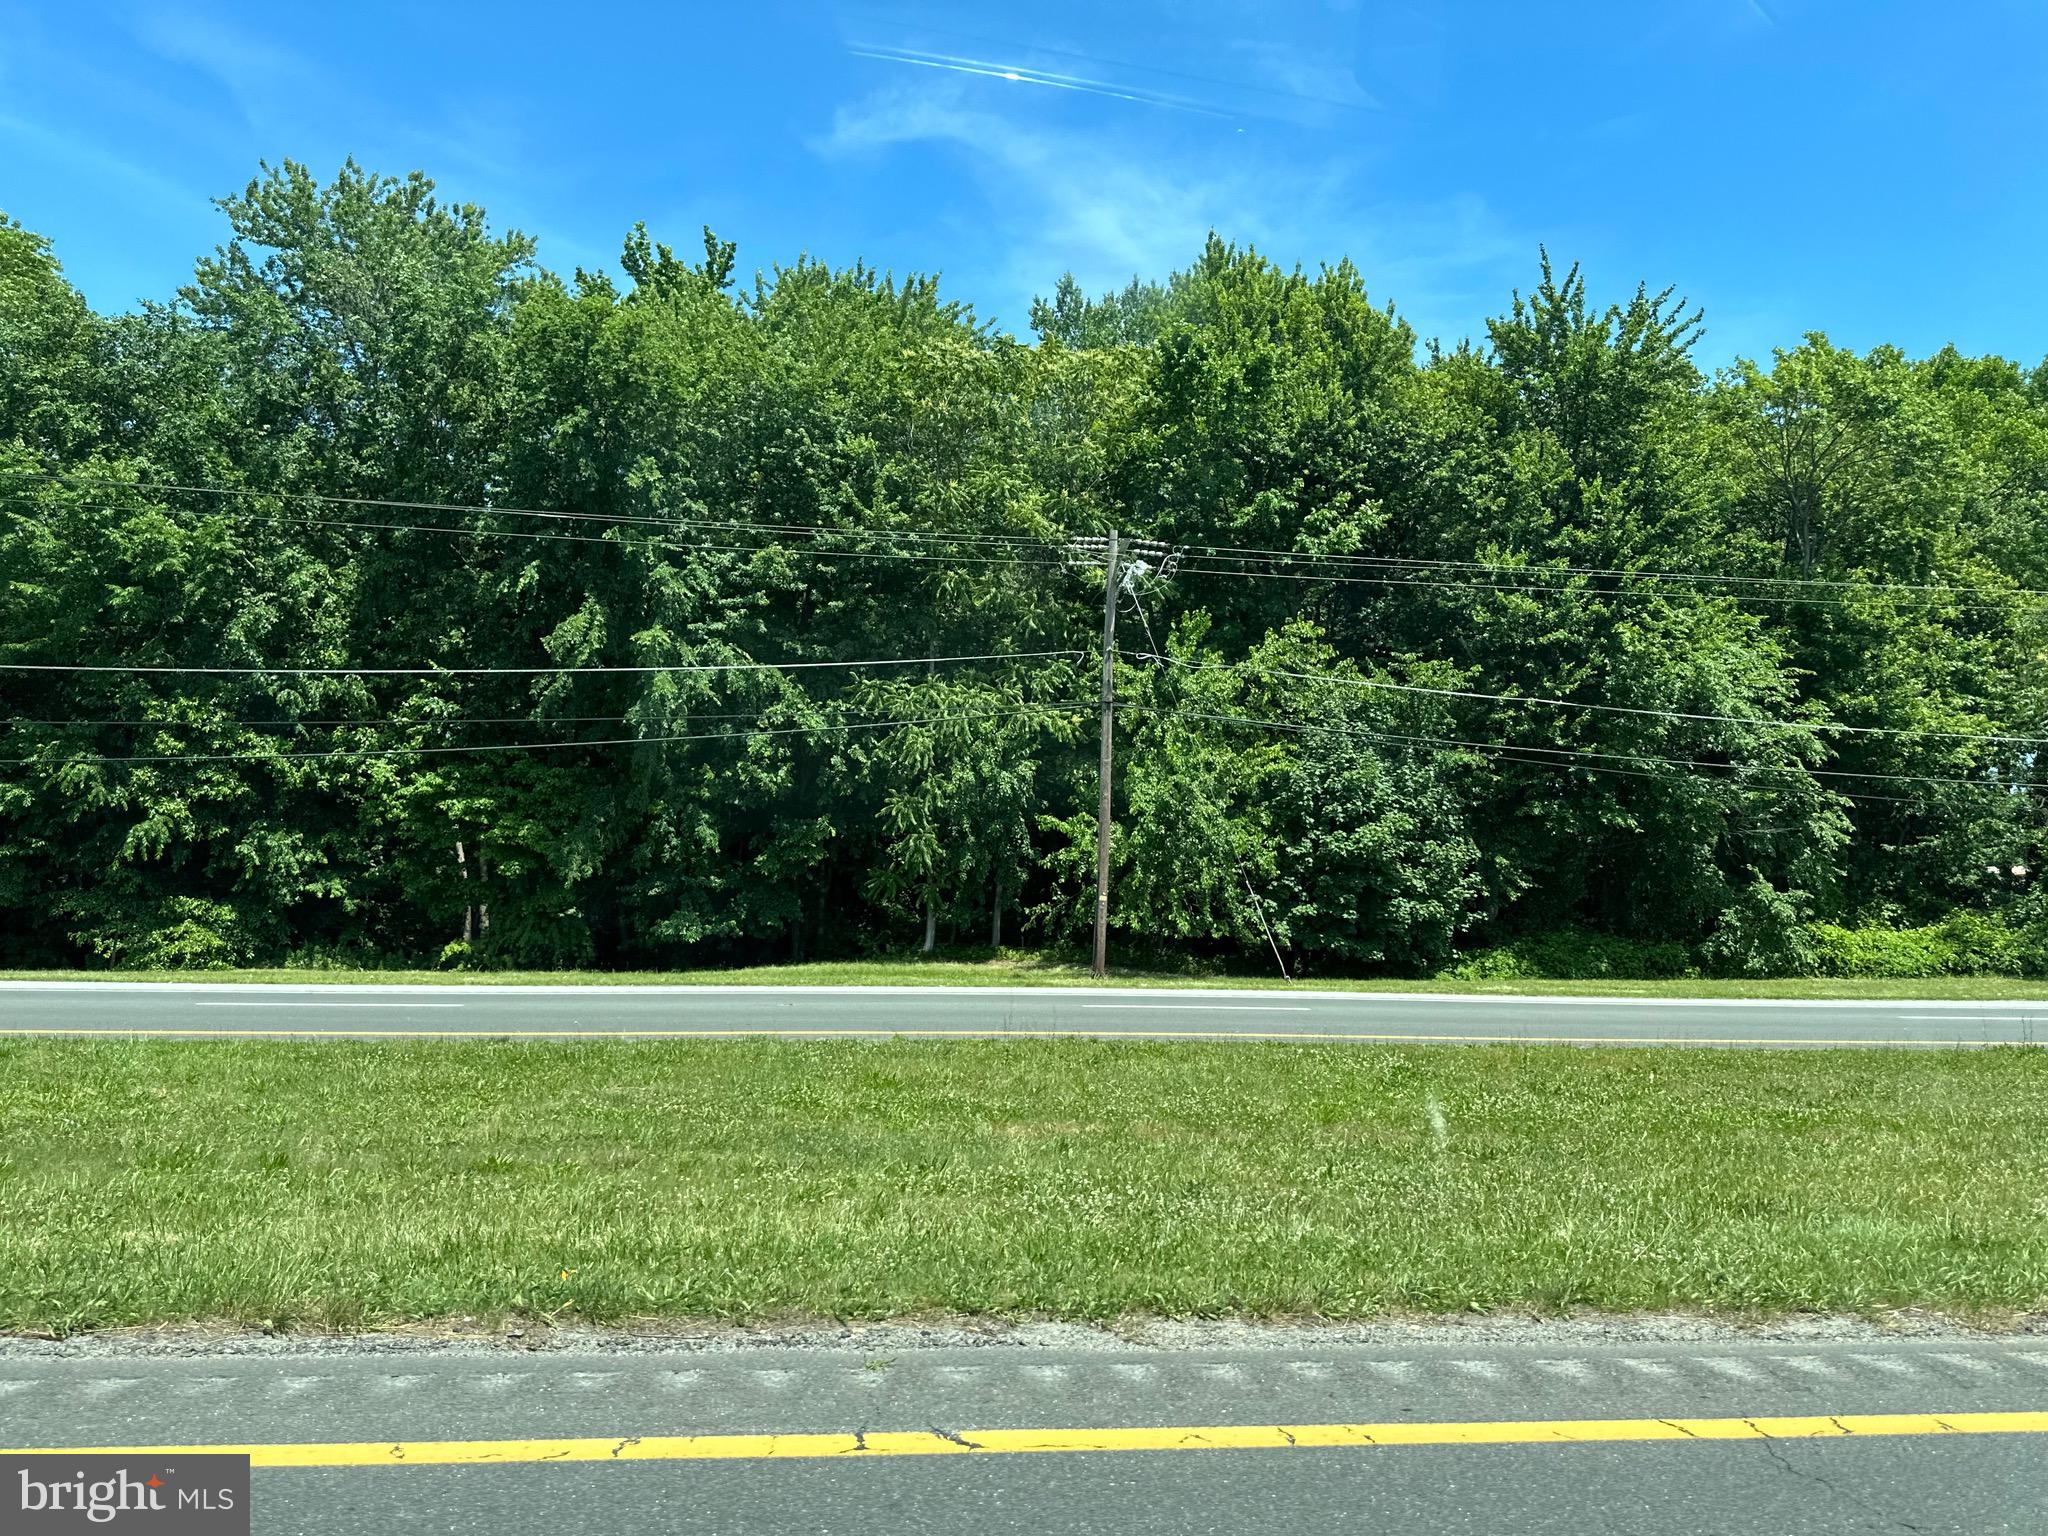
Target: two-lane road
[313, 1011]
[1304, 1436]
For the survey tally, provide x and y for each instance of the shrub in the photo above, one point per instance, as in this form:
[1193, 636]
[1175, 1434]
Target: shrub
[1763, 934]
[1843, 951]
[1961, 944]
[1573, 954]
[184, 933]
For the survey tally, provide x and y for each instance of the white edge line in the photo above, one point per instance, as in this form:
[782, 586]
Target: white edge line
[260, 1003]
[1988, 1018]
[1199, 1007]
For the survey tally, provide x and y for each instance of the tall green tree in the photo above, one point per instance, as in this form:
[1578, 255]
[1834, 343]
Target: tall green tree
[439, 606]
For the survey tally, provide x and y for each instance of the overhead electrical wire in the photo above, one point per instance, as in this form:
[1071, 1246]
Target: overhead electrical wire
[179, 723]
[1440, 744]
[2003, 786]
[1203, 560]
[1023, 543]
[297, 521]
[163, 487]
[1229, 552]
[1196, 559]
[1189, 568]
[692, 667]
[528, 746]
[1235, 552]
[1818, 727]
[1513, 752]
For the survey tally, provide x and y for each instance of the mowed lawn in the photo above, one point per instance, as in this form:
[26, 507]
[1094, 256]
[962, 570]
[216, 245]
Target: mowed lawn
[359, 1184]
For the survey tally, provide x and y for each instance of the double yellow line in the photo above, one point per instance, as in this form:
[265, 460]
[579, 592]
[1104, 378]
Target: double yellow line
[1207, 1437]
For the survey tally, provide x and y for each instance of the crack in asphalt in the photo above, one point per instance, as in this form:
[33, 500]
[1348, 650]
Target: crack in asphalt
[1878, 1519]
[957, 1438]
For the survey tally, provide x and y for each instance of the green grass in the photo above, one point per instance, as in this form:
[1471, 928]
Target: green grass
[366, 1183]
[1014, 969]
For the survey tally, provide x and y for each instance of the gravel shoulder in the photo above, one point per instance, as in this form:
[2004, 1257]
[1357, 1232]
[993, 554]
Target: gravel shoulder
[474, 1337]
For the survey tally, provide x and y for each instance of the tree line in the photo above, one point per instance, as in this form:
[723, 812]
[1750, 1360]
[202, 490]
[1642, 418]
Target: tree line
[385, 596]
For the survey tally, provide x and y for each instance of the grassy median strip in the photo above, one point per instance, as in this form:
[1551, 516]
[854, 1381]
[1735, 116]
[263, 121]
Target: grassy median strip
[364, 1183]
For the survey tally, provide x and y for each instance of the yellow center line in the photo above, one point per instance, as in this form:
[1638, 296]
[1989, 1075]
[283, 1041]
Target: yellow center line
[1022, 1031]
[1209, 1437]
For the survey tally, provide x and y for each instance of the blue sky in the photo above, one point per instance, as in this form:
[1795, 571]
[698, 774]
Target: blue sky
[1872, 169]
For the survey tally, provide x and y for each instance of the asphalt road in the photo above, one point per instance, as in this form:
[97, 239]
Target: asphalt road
[912, 1436]
[318, 1012]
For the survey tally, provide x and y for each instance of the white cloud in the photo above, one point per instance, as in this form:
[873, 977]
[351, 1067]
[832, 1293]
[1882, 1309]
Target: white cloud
[1108, 208]
[1059, 201]
[270, 85]
[470, 141]
[80, 155]
[1325, 80]
[282, 94]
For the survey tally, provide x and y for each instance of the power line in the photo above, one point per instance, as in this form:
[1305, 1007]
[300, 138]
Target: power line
[1514, 752]
[161, 487]
[723, 666]
[1614, 709]
[296, 521]
[1440, 744]
[1212, 556]
[1200, 560]
[531, 746]
[1240, 553]
[360, 720]
[1026, 542]
[2002, 786]
[1190, 567]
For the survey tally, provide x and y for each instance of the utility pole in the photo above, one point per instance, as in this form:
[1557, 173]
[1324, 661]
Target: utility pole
[1149, 558]
[1109, 586]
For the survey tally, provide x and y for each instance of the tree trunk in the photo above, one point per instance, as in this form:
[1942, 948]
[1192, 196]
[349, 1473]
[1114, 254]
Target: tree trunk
[468, 911]
[931, 927]
[483, 907]
[995, 913]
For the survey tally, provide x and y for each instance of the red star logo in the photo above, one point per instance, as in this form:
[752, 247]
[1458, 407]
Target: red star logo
[155, 1481]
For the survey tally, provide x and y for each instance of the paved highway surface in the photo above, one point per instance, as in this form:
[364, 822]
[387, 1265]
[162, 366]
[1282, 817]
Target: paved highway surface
[1784, 1438]
[317, 1012]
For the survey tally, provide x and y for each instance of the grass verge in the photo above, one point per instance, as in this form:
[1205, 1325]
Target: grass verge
[356, 1184]
[1016, 969]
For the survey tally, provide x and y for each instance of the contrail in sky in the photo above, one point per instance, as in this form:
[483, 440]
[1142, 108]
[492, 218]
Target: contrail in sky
[988, 69]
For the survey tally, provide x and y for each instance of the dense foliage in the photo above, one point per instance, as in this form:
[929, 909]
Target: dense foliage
[327, 450]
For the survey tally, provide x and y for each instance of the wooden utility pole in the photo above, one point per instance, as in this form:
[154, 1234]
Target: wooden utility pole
[1108, 736]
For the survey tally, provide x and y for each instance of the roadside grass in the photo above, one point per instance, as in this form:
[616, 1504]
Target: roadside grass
[1023, 969]
[362, 1184]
